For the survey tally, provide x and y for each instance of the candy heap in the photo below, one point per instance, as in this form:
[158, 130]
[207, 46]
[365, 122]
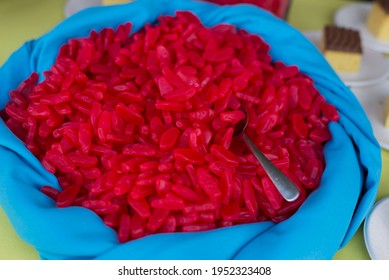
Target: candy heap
[139, 128]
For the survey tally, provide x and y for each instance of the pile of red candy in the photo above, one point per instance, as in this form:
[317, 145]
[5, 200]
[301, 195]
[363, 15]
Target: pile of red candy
[139, 128]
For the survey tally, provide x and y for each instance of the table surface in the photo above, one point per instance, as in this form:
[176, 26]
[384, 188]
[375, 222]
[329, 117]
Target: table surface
[22, 20]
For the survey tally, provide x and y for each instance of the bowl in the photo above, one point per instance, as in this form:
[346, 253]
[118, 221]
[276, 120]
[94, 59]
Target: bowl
[323, 224]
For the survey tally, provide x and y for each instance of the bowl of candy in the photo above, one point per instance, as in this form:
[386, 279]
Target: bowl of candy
[118, 132]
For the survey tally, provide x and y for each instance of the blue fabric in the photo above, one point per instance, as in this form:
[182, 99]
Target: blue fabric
[324, 223]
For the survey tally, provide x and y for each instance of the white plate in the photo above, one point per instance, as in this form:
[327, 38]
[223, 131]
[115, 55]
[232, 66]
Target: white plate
[372, 100]
[374, 65]
[354, 16]
[376, 230]
[73, 6]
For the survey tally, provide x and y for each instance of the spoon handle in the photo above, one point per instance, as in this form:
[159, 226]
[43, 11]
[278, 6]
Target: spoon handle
[285, 186]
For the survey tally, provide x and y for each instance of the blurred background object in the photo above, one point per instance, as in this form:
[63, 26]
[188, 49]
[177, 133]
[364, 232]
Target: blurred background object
[279, 8]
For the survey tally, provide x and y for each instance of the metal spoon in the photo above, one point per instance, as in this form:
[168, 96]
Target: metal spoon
[284, 185]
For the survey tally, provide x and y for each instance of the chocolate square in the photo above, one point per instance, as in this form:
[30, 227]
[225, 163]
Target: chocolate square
[342, 39]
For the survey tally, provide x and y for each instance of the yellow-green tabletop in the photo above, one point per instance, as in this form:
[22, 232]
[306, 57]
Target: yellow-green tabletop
[22, 20]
